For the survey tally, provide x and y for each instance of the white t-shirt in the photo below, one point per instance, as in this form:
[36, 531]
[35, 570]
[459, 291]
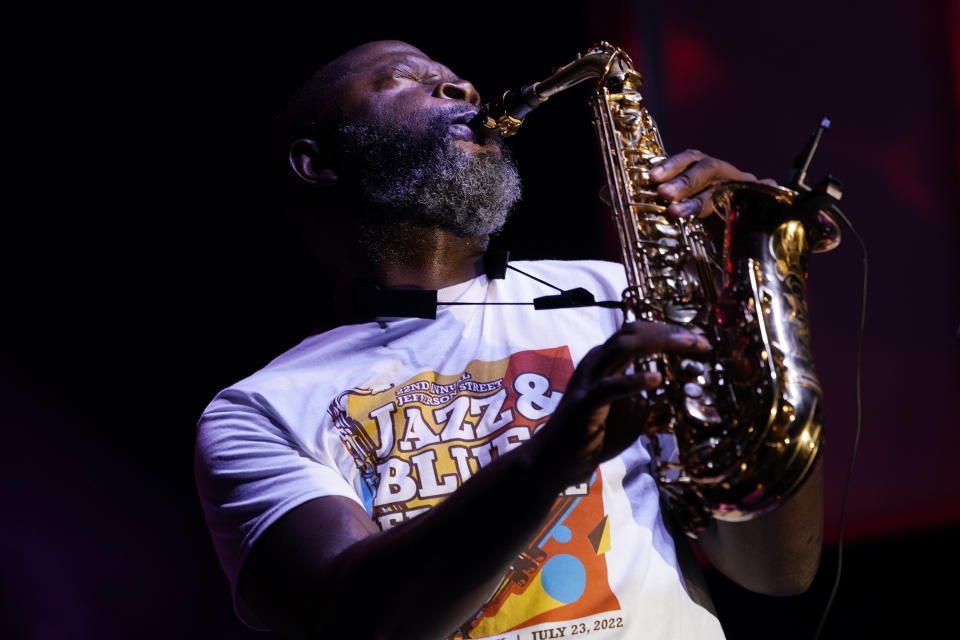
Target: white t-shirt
[396, 414]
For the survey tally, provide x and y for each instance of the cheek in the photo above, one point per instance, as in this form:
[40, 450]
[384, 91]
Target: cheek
[407, 111]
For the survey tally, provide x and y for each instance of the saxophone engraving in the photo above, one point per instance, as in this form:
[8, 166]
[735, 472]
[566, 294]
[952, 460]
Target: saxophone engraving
[735, 433]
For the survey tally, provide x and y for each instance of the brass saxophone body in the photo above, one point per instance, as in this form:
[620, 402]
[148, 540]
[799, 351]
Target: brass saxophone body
[735, 433]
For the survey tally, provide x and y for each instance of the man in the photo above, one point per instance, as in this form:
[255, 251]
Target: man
[402, 477]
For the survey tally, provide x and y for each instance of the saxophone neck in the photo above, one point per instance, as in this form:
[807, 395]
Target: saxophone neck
[603, 62]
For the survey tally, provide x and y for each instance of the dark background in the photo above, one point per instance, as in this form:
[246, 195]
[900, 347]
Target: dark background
[146, 268]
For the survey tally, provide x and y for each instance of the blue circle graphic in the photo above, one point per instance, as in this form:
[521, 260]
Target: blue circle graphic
[564, 578]
[561, 533]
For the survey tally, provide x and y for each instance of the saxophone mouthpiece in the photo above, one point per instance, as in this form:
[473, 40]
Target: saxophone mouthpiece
[505, 114]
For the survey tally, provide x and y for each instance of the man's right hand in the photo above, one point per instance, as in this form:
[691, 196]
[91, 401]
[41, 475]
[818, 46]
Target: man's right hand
[578, 436]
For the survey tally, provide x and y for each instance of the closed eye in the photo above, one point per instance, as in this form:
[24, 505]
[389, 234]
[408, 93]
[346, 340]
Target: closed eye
[407, 72]
[402, 71]
[410, 73]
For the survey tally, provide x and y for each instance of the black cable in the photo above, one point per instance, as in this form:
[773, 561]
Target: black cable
[484, 304]
[533, 277]
[566, 299]
[856, 437]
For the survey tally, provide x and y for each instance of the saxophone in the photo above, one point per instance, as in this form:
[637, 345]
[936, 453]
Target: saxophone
[732, 434]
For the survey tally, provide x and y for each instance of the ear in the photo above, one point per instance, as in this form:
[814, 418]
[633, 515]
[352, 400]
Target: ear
[307, 162]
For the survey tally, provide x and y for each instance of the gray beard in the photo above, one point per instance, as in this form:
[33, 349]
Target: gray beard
[401, 180]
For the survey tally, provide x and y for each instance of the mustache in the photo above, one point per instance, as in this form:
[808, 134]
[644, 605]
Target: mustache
[447, 116]
[455, 114]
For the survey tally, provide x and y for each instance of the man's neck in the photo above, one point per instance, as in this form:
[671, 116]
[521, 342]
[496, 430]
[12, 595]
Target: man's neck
[412, 256]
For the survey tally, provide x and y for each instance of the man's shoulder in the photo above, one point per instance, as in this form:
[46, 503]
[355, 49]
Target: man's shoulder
[313, 360]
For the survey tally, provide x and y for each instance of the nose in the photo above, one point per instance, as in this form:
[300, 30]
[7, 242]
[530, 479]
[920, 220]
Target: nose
[459, 90]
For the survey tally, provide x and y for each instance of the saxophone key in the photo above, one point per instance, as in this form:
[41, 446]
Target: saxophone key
[701, 412]
[681, 314]
[647, 207]
[666, 230]
[691, 368]
[692, 390]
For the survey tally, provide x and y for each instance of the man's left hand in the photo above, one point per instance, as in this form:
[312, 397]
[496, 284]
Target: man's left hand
[687, 179]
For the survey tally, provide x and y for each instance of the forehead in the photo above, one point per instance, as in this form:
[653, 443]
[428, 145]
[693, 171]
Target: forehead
[355, 79]
[378, 56]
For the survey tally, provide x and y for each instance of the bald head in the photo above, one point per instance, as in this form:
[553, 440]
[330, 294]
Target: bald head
[321, 101]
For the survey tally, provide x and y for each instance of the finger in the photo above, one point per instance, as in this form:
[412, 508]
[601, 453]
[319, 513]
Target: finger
[612, 388]
[659, 336]
[701, 205]
[652, 339]
[699, 176]
[636, 340]
[671, 167]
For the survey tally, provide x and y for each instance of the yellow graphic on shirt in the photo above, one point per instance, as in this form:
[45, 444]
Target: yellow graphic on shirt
[416, 442]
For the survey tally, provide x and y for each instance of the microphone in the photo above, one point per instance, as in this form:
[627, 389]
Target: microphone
[798, 174]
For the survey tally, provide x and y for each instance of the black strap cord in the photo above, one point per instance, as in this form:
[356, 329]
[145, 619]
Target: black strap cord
[856, 436]
[566, 299]
[826, 195]
[374, 302]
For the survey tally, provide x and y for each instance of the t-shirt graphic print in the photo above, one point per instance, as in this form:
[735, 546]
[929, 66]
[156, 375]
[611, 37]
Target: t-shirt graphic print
[416, 442]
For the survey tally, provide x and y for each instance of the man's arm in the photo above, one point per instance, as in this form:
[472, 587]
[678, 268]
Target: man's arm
[324, 570]
[777, 554]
